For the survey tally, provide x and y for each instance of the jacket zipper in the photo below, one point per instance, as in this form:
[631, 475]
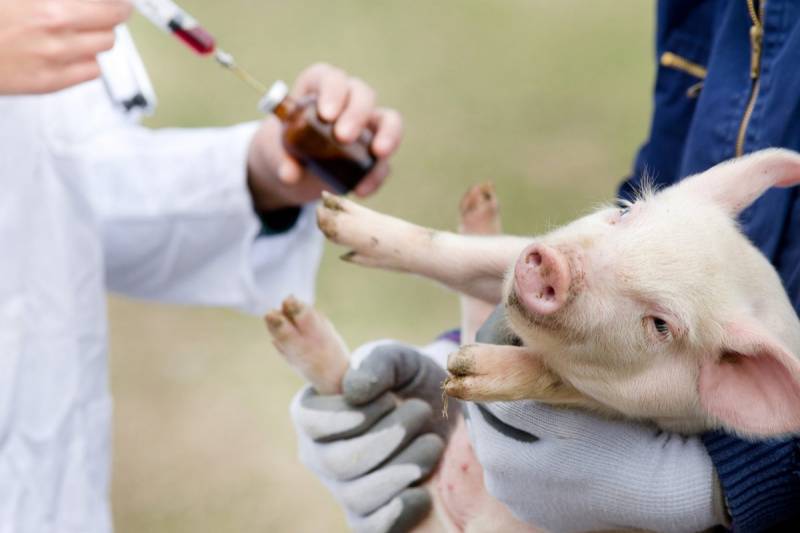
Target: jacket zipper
[756, 40]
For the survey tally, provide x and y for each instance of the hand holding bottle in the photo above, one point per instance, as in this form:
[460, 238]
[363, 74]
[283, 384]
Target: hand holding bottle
[278, 180]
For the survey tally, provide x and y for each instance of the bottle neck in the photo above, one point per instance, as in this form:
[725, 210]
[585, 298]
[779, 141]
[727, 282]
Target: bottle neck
[285, 109]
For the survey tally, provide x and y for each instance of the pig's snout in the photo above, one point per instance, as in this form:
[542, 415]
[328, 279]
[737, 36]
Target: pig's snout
[542, 279]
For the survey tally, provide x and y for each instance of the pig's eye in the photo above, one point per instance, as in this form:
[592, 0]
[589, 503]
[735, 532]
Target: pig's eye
[620, 213]
[661, 327]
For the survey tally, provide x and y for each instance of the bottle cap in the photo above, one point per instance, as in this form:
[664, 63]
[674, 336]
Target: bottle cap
[275, 95]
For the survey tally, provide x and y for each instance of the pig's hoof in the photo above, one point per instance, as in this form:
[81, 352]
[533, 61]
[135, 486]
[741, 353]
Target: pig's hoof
[341, 220]
[480, 210]
[297, 328]
[327, 213]
[374, 239]
[462, 362]
[309, 343]
[455, 387]
[291, 324]
[486, 372]
[332, 202]
[461, 366]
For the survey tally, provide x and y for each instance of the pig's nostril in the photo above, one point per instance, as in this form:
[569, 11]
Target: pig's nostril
[535, 258]
[542, 280]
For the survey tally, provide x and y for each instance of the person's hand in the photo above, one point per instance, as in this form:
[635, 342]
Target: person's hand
[373, 444]
[277, 180]
[405, 371]
[566, 470]
[48, 45]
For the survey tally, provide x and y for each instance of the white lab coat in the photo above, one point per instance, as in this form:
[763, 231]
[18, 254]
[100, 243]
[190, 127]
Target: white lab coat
[88, 201]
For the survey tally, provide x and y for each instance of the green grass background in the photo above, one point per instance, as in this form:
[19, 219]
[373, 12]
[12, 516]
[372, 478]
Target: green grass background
[547, 99]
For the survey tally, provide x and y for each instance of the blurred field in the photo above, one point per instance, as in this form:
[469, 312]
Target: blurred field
[548, 99]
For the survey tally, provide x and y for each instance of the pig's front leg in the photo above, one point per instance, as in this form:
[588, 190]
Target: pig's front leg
[488, 373]
[471, 264]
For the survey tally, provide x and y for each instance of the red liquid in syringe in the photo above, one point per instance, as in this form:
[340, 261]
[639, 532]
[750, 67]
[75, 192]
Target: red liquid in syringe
[195, 37]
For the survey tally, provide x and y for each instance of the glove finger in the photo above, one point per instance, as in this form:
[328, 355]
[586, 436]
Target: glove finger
[350, 458]
[325, 418]
[400, 515]
[387, 367]
[403, 370]
[364, 495]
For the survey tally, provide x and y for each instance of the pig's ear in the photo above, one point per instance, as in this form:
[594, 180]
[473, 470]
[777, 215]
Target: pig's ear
[752, 385]
[738, 183]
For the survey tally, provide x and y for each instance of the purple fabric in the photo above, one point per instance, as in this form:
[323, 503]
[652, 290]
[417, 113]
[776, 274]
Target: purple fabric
[454, 335]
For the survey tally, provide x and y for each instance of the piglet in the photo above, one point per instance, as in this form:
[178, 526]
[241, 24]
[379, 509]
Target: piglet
[659, 311]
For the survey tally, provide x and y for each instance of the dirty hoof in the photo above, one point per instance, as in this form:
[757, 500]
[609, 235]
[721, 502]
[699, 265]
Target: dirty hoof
[480, 211]
[310, 344]
[373, 239]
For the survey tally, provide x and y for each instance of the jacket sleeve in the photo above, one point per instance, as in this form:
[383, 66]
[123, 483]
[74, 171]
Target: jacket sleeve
[760, 480]
[176, 219]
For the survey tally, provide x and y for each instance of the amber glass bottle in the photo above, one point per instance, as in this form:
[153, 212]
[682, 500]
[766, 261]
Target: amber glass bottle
[311, 140]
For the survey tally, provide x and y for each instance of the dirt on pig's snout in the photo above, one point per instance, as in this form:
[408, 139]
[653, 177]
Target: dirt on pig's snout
[552, 324]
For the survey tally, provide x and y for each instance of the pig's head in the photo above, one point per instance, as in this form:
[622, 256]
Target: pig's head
[663, 310]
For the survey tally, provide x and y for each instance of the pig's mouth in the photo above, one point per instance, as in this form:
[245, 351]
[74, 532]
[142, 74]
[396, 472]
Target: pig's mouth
[514, 306]
[520, 320]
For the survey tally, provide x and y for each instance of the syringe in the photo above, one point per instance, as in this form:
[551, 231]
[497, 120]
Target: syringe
[171, 18]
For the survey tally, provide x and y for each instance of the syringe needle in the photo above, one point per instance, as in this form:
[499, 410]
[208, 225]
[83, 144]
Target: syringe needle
[227, 61]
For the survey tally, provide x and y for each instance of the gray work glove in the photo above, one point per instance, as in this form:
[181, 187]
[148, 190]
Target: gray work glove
[568, 471]
[371, 445]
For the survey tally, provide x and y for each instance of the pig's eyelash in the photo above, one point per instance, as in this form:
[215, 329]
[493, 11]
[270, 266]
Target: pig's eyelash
[658, 328]
[661, 325]
[623, 209]
[622, 202]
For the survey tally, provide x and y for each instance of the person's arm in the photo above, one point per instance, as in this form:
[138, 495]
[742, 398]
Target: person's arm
[760, 480]
[178, 223]
[188, 215]
[47, 45]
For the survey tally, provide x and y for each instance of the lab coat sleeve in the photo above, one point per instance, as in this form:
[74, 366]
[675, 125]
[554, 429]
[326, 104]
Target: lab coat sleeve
[177, 222]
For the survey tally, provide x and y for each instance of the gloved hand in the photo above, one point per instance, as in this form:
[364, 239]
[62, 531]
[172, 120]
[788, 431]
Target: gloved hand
[372, 444]
[566, 470]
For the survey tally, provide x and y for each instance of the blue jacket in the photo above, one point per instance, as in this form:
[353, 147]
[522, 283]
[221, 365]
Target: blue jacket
[714, 101]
